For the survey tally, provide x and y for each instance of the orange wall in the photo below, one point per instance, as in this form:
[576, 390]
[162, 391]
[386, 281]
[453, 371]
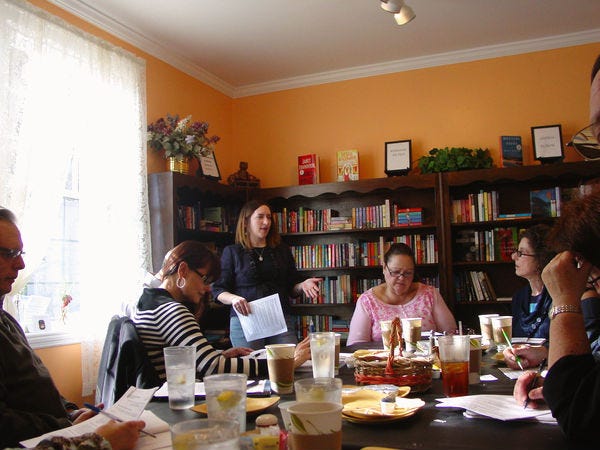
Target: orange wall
[468, 104]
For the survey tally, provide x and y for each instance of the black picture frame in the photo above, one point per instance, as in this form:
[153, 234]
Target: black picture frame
[547, 143]
[208, 167]
[398, 157]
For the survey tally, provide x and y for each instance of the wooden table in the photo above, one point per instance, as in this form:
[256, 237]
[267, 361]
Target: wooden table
[431, 428]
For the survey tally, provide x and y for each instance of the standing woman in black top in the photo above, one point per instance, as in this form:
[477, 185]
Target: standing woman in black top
[257, 265]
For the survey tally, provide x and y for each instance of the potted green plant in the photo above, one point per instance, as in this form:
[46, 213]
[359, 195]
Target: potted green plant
[455, 158]
[181, 140]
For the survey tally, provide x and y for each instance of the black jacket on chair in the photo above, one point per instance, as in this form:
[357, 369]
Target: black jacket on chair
[124, 363]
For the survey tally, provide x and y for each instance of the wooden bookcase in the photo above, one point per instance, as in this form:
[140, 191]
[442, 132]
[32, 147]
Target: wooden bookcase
[433, 193]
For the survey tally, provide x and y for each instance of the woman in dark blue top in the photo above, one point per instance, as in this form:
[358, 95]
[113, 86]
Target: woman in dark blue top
[257, 265]
[531, 304]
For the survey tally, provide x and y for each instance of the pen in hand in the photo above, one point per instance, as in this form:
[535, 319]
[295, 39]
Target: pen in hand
[533, 383]
[112, 416]
[517, 359]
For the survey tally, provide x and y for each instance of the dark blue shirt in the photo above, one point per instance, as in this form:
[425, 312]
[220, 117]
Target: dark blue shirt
[531, 322]
[257, 273]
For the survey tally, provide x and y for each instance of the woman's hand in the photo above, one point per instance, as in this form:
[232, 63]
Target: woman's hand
[236, 351]
[241, 305]
[521, 392]
[530, 356]
[310, 287]
[121, 435]
[83, 414]
[302, 353]
[565, 277]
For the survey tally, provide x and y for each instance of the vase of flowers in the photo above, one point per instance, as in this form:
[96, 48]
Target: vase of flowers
[181, 140]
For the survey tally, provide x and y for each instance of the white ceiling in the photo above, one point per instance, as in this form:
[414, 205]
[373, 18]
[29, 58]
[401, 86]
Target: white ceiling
[245, 47]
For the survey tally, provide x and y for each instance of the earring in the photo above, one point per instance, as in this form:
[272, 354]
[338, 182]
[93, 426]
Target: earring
[180, 281]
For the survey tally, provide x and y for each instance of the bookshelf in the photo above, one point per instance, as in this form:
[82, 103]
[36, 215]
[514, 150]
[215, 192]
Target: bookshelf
[435, 195]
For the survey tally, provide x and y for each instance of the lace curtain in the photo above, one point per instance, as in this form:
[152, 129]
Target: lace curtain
[65, 94]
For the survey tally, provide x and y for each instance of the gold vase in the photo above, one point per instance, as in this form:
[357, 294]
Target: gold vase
[178, 165]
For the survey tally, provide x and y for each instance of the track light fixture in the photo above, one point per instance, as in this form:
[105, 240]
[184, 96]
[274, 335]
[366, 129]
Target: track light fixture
[402, 12]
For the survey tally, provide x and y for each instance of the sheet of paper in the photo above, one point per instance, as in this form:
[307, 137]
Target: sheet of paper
[500, 407]
[513, 374]
[154, 425]
[132, 403]
[488, 377]
[266, 318]
[199, 391]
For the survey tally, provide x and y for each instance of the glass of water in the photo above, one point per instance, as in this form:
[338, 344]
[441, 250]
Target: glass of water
[322, 352]
[226, 397]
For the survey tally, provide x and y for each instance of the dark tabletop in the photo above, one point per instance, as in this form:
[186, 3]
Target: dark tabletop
[430, 428]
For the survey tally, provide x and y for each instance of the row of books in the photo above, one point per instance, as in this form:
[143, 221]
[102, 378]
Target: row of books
[386, 215]
[310, 324]
[496, 244]
[342, 289]
[474, 286]
[484, 206]
[213, 218]
[363, 254]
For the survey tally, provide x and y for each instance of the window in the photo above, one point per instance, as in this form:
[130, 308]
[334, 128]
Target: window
[73, 152]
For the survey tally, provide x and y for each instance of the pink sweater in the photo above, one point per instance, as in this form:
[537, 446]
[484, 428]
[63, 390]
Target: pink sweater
[364, 326]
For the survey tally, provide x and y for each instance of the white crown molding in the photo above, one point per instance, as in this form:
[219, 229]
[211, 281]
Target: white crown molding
[422, 62]
[90, 14]
[148, 45]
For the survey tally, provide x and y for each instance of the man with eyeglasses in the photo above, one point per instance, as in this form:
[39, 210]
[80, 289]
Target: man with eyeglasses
[30, 404]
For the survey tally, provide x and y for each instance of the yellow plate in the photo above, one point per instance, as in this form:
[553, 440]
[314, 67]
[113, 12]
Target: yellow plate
[369, 410]
[253, 405]
[368, 394]
[498, 356]
[377, 419]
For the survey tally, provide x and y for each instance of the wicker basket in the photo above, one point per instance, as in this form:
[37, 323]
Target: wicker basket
[376, 367]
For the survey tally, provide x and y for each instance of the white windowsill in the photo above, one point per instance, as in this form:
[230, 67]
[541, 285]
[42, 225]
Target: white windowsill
[52, 339]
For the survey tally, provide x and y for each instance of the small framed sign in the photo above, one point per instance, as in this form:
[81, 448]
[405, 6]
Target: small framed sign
[208, 166]
[547, 143]
[397, 157]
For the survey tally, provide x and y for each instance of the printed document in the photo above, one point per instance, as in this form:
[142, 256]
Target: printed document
[265, 319]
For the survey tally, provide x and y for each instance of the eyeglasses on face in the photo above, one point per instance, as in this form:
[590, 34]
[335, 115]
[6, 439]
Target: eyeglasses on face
[11, 253]
[205, 278]
[519, 253]
[399, 274]
[585, 142]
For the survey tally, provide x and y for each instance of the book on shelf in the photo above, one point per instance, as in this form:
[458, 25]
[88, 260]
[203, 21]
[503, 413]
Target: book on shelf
[511, 151]
[465, 246]
[474, 286]
[308, 169]
[347, 165]
[545, 202]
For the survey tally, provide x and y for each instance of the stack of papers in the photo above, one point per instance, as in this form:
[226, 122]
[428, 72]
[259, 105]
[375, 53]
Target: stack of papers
[499, 407]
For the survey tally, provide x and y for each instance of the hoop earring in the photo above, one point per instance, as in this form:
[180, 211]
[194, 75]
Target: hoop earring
[180, 280]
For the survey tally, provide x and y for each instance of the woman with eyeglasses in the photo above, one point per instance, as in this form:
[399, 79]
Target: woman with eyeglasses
[400, 296]
[167, 316]
[531, 304]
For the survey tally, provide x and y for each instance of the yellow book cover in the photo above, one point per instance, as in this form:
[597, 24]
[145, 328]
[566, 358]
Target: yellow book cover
[347, 165]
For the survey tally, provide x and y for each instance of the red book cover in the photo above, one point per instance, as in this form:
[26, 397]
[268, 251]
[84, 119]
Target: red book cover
[308, 169]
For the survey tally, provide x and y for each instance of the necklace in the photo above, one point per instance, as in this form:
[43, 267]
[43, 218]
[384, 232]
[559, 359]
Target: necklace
[260, 254]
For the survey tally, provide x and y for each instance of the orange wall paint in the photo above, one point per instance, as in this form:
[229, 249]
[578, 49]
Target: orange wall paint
[468, 104]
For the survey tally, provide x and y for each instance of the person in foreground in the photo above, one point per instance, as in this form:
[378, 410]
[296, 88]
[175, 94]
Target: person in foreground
[167, 316]
[30, 404]
[530, 304]
[400, 296]
[259, 264]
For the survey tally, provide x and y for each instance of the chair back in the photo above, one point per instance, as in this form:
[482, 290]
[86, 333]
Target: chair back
[124, 362]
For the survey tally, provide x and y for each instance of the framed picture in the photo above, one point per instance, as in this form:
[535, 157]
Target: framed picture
[208, 166]
[547, 143]
[397, 157]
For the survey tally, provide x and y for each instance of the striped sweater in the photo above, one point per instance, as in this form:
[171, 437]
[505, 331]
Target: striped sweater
[163, 322]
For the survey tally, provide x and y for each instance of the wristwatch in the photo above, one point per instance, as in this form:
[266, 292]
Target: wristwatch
[556, 310]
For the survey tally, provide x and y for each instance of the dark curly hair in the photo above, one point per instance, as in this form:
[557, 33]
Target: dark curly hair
[578, 228]
[537, 236]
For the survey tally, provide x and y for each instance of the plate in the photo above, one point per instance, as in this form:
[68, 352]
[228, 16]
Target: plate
[352, 393]
[253, 405]
[377, 419]
[370, 410]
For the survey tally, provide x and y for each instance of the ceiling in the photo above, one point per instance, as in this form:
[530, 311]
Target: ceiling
[246, 47]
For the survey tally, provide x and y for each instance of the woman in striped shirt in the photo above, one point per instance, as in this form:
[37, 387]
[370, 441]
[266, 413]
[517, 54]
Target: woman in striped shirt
[167, 316]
